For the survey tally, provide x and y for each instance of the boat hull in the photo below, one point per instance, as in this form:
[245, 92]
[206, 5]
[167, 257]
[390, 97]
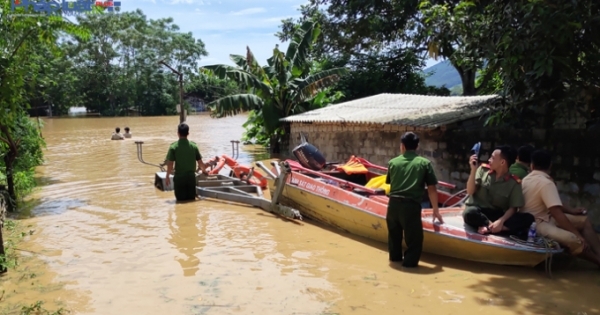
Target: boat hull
[366, 217]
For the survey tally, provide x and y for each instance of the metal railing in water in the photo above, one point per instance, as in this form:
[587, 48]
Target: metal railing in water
[235, 154]
[141, 159]
[235, 149]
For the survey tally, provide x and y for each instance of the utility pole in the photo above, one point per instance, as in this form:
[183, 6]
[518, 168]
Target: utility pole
[180, 75]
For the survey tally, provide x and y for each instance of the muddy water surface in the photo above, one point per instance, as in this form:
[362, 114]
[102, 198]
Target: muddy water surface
[107, 242]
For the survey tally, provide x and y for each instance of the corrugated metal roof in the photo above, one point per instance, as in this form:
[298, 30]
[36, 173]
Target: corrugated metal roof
[400, 109]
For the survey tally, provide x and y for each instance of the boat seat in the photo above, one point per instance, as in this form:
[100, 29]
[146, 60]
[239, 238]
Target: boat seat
[365, 193]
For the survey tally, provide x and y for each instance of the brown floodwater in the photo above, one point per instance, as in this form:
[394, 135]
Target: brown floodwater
[107, 242]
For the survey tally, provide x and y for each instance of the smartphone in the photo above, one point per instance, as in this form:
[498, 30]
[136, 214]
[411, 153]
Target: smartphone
[475, 150]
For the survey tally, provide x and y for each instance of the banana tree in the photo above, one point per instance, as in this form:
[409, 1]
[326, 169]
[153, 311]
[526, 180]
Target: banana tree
[280, 89]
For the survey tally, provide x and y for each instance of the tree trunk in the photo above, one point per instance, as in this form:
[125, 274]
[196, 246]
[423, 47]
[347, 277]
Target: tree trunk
[285, 139]
[279, 142]
[274, 144]
[9, 159]
[3, 203]
[468, 82]
[467, 77]
[2, 253]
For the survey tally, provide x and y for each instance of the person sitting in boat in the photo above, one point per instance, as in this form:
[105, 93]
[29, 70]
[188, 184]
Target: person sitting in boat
[184, 154]
[495, 196]
[521, 167]
[569, 227]
[117, 134]
[127, 134]
[407, 175]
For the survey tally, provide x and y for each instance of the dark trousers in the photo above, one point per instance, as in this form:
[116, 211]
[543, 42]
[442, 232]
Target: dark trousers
[184, 186]
[404, 220]
[518, 224]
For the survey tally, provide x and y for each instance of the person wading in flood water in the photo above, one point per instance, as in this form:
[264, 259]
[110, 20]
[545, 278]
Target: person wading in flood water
[185, 154]
[127, 134]
[407, 175]
[117, 134]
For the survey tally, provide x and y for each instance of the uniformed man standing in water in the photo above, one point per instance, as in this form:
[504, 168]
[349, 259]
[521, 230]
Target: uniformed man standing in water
[185, 154]
[408, 174]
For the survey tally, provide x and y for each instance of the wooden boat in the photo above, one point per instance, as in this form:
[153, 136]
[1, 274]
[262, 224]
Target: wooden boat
[340, 200]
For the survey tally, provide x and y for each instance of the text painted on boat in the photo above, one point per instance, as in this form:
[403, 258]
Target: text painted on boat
[310, 186]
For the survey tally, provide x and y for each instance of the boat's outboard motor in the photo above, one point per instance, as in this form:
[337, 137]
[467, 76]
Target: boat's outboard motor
[308, 155]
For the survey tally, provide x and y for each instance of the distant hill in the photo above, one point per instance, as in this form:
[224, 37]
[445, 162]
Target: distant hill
[442, 74]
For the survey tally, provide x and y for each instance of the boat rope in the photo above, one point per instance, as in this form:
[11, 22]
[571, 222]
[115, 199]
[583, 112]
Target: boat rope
[548, 244]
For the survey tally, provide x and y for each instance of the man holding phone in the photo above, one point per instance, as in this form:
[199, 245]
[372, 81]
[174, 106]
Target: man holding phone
[495, 196]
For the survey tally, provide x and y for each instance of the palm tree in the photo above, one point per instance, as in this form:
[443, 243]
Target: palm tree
[275, 91]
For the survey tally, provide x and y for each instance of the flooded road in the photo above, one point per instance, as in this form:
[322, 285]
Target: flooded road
[107, 242]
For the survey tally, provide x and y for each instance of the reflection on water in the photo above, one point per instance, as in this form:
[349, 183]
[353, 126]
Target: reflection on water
[113, 244]
[187, 237]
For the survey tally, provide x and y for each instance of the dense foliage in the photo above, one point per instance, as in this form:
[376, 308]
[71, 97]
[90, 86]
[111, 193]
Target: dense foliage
[377, 62]
[539, 54]
[547, 55]
[283, 87]
[26, 42]
[117, 69]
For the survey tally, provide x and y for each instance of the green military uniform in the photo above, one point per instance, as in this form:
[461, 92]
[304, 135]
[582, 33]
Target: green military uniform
[494, 196]
[518, 169]
[184, 153]
[407, 175]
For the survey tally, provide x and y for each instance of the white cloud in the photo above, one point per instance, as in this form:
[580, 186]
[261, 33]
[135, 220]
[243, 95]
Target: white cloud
[248, 11]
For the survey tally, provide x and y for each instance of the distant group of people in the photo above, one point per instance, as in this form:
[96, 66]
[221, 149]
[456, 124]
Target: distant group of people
[505, 196]
[118, 136]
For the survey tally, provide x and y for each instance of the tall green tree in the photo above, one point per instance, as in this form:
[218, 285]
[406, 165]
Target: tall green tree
[23, 36]
[436, 28]
[548, 58]
[118, 68]
[278, 89]
[209, 88]
[392, 71]
[375, 67]
[358, 25]
[457, 31]
[255, 128]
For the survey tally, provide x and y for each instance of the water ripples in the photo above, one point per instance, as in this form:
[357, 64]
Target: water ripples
[137, 251]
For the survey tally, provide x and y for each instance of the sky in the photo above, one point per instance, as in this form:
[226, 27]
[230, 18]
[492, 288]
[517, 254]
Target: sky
[226, 26]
